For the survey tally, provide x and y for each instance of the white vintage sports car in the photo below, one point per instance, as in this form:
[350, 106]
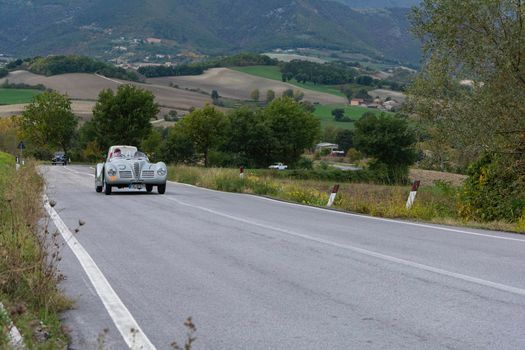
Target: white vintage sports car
[126, 167]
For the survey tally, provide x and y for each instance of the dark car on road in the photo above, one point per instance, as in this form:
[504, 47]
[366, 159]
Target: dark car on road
[60, 158]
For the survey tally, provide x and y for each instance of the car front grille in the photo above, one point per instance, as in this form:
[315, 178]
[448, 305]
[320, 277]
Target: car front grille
[136, 169]
[148, 174]
[125, 174]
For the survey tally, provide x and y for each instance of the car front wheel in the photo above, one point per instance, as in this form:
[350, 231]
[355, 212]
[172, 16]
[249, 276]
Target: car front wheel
[107, 188]
[161, 189]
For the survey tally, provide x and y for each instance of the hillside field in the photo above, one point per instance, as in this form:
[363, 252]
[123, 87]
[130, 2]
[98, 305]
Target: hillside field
[273, 72]
[16, 96]
[324, 113]
[235, 84]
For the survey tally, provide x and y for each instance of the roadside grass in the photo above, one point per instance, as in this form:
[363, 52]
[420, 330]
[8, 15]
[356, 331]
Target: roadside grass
[435, 203]
[16, 96]
[29, 255]
[273, 73]
[324, 113]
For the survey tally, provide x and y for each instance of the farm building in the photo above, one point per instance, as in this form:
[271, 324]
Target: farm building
[356, 102]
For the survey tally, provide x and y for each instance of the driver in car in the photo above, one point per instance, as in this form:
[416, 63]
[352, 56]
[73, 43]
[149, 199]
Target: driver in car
[117, 153]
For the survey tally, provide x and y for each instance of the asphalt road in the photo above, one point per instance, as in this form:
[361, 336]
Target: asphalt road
[261, 274]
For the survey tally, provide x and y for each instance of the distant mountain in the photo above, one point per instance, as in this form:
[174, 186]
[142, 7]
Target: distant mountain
[380, 3]
[209, 26]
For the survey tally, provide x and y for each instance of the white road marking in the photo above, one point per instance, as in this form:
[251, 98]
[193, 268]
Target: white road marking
[123, 319]
[495, 285]
[335, 212]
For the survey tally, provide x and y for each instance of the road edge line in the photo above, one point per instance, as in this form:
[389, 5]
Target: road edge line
[368, 217]
[126, 324]
[363, 251]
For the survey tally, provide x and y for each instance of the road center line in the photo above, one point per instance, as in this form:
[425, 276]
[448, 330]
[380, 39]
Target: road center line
[366, 217]
[486, 283]
[335, 212]
[123, 319]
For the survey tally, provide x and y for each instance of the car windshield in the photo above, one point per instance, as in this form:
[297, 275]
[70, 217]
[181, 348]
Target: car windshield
[140, 155]
[124, 152]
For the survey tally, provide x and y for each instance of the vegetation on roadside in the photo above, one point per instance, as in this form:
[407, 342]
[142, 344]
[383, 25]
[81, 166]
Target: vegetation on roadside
[437, 203]
[468, 96]
[48, 122]
[29, 255]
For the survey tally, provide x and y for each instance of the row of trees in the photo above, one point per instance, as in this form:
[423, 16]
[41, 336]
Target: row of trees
[317, 73]
[239, 60]
[279, 132]
[251, 137]
[54, 65]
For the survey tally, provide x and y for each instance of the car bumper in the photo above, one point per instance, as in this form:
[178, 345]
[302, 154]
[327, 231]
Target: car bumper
[116, 181]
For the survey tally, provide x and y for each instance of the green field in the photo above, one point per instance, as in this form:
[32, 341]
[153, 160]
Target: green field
[324, 113]
[273, 72]
[15, 96]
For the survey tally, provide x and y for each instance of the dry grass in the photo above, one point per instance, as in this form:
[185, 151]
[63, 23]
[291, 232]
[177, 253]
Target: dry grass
[428, 177]
[436, 203]
[29, 255]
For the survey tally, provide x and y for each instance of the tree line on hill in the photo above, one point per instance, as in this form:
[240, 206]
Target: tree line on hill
[239, 60]
[54, 65]
[333, 73]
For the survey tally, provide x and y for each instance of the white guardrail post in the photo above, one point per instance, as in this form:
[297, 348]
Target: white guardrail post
[412, 195]
[332, 196]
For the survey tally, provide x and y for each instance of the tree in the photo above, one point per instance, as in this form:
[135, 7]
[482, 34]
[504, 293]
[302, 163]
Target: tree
[152, 144]
[49, 121]
[178, 147]
[255, 95]
[293, 129]
[9, 130]
[338, 114]
[298, 95]
[470, 93]
[250, 137]
[345, 139]
[123, 118]
[308, 106]
[390, 142]
[205, 128]
[288, 93]
[347, 90]
[473, 83]
[270, 96]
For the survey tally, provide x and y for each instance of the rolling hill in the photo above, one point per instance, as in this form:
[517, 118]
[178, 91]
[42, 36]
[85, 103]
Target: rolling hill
[94, 27]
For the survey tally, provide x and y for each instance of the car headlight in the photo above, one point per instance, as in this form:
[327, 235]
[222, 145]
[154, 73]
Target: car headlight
[161, 172]
[112, 172]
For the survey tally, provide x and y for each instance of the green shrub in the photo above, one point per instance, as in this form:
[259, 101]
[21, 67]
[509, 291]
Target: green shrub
[304, 163]
[493, 191]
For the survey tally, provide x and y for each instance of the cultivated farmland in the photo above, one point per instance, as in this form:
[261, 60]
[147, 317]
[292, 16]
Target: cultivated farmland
[237, 85]
[80, 86]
